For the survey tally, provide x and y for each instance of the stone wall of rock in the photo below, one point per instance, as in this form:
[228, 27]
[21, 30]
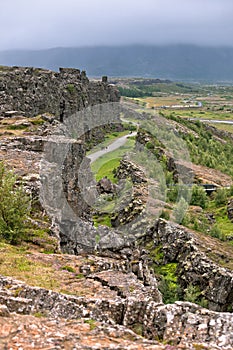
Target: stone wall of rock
[134, 200]
[183, 324]
[32, 91]
[194, 266]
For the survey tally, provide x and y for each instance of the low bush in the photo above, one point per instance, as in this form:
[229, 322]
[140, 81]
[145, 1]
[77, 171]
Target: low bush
[14, 207]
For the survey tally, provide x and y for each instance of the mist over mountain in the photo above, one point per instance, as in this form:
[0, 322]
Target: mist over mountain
[175, 62]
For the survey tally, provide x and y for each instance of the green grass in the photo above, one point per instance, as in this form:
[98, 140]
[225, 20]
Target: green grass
[71, 88]
[37, 121]
[68, 268]
[17, 127]
[92, 323]
[200, 114]
[107, 169]
[104, 166]
[102, 219]
[223, 127]
[16, 263]
[109, 138]
[222, 221]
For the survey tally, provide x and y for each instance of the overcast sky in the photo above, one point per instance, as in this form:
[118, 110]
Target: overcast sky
[52, 23]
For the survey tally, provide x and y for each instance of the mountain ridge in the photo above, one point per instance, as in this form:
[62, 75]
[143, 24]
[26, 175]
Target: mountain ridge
[176, 62]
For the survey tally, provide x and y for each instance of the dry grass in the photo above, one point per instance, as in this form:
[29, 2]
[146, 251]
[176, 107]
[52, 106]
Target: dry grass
[160, 101]
[57, 272]
[16, 262]
[17, 126]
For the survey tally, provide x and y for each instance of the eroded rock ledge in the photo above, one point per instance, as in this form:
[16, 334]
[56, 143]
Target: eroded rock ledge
[194, 266]
[128, 299]
[182, 324]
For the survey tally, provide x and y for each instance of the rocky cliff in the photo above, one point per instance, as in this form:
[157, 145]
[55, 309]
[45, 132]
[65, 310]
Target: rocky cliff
[33, 91]
[114, 295]
[111, 294]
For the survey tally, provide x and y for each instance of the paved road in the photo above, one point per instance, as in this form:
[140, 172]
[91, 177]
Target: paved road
[214, 121]
[112, 147]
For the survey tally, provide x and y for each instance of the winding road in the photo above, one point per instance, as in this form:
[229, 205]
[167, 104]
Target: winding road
[112, 147]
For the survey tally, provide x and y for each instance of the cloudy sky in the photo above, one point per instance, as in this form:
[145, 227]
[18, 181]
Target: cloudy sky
[52, 23]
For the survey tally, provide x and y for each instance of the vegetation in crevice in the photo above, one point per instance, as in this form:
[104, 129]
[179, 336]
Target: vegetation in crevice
[168, 278]
[165, 273]
[105, 166]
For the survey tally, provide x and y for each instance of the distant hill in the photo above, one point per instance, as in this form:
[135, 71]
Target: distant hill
[175, 62]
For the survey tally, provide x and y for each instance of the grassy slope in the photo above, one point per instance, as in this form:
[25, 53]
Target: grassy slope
[105, 165]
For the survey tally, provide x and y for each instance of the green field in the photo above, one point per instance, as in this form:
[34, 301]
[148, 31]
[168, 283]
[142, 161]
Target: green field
[105, 165]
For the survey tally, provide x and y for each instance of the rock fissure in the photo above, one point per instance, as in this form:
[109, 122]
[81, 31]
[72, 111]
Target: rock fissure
[118, 284]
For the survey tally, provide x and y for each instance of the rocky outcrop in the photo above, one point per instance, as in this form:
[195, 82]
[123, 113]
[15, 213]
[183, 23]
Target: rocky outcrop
[26, 332]
[177, 162]
[219, 134]
[193, 266]
[106, 186]
[32, 91]
[183, 324]
[134, 198]
[128, 169]
[124, 296]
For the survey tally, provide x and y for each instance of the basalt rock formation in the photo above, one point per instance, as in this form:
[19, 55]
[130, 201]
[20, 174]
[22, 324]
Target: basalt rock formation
[193, 265]
[33, 91]
[117, 297]
[114, 268]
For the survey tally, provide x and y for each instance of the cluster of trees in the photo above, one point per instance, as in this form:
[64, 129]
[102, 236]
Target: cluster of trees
[146, 88]
[206, 149]
[131, 92]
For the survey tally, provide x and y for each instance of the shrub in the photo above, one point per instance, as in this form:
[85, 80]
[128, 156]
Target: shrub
[14, 207]
[165, 215]
[192, 293]
[149, 145]
[221, 197]
[71, 88]
[199, 196]
[170, 290]
[231, 191]
[201, 224]
[216, 233]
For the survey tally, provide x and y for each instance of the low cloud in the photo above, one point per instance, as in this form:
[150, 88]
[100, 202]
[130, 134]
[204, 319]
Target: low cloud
[27, 24]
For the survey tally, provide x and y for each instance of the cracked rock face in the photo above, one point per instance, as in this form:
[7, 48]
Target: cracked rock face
[32, 91]
[27, 332]
[126, 306]
[118, 292]
[194, 267]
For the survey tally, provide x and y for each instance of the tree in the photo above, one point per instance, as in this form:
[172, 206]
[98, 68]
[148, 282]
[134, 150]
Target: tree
[199, 196]
[14, 207]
